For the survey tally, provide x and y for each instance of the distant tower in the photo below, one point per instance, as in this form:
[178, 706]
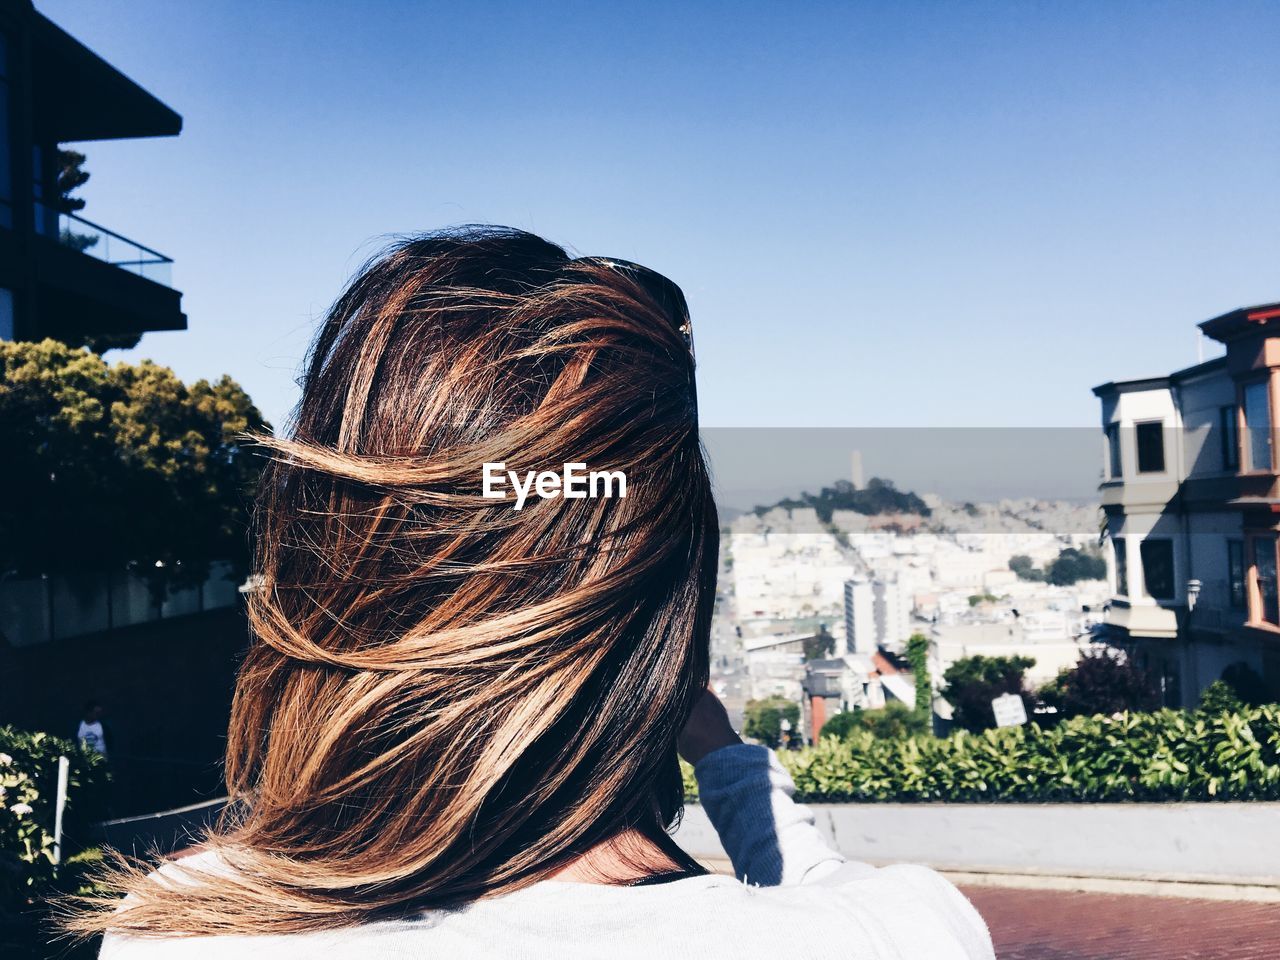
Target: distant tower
[855, 473]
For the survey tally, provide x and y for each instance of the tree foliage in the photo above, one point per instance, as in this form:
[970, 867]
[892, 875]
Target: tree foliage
[71, 177]
[1070, 566]
[877, 497]
[764, 719]
[973, 682]
[893, 721]
[28, 793]
[1220, 697]
[1103, 681]
[821, 645]
[120, 466]
[1025, 567]
[918, 657]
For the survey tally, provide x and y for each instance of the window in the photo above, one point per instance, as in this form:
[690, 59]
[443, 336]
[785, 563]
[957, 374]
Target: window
[1230, 433]
[6, 314]
[1157, 567]
[6, 148]
[1235, 572]
[1257, 426]
[1150, 437]
[1264, 572]
[1113, 451]
[1122, 566]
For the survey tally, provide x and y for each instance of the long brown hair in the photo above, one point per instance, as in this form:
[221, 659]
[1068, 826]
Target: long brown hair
[447, 698]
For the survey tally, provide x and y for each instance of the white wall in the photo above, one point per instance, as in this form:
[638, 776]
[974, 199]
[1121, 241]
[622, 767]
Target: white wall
[1213, 842]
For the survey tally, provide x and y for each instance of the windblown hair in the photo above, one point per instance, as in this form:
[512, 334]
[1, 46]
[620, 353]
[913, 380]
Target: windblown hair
[446, 698]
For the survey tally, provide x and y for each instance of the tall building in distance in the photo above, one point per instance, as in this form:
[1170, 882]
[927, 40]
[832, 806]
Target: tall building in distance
[859, 617]
[60, 274]
[1191, 493]
[877, 613]
[855, 470]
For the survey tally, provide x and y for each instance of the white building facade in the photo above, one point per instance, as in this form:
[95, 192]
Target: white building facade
[1192, 510]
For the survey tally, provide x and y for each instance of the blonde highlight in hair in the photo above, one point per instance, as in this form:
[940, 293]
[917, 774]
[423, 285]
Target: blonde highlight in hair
[444, 698]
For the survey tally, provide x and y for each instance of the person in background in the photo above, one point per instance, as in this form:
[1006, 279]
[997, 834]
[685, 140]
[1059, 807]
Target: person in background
[93, 733]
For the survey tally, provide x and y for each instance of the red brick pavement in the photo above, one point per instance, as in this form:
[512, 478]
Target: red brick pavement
[1055, 925]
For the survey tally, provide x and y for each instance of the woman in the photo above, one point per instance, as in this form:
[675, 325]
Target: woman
[456, 731]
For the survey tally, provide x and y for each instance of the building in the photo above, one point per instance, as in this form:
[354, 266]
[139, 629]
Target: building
[62, 275]
[860, 635]
[1191, 492]
[877, 613]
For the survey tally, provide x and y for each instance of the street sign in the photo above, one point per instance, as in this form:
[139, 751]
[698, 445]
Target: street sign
[1009, 709]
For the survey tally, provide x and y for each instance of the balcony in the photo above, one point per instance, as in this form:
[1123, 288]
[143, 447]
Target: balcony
[92, 279]
[85, 236]
[1143, 619]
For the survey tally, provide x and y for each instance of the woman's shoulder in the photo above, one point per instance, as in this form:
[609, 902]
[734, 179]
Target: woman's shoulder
[904, 909]
[855, 911]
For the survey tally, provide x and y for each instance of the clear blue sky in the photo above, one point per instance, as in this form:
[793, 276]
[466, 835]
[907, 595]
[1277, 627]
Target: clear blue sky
[883, 214]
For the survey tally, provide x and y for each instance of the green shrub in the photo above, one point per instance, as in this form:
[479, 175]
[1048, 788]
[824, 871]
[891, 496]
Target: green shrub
[1167, 755]
[690, 781]
[1102, 681]
[895, 719]
[764, 719]
[28, 797]
[973, 682]
[1220, 697]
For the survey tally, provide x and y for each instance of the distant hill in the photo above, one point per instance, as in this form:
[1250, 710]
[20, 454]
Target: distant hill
[877, 497]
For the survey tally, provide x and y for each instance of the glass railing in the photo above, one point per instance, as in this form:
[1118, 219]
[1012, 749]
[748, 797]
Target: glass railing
[87, 237]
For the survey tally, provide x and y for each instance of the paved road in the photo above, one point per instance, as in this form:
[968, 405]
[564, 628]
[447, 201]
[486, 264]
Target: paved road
[1053, 925]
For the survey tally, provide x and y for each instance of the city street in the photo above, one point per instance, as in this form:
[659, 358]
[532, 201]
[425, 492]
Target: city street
[1057, 925]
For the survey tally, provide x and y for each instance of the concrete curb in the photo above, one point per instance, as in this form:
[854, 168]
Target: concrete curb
[1153, 887]
[1203, 850]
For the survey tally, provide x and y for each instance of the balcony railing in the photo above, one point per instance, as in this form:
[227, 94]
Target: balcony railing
[87, 237]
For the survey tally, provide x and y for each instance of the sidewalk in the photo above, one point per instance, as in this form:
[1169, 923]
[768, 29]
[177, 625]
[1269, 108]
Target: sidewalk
[1059, 925]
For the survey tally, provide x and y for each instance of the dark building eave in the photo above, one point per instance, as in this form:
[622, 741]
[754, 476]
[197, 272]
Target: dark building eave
[1242, 321]
[82, 97]
[1119, 386]
[1147, 383]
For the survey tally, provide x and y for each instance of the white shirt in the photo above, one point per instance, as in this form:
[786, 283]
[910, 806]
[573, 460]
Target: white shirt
[817, 903]
[91, 736]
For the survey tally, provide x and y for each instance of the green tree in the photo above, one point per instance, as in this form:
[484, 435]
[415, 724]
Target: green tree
[894, 721]
[973, 682]
[1102, 682]
[1072, 566]
[918, 658]
[1220, 697]
[877, 497]
[764, 719]
[1025, 567]
[71, 177]
[124, 466]
[820, 645]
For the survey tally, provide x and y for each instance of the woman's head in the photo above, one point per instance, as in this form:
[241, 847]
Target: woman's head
[447, 697]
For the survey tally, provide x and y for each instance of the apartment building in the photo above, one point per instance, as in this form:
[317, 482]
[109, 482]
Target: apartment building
[62, 275]
[1191, 493]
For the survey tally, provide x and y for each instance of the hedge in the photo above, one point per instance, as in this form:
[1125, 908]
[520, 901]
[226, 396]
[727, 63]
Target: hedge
[28, 796]
[1163, 756]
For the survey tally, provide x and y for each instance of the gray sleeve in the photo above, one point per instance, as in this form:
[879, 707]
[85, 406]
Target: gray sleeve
[771, 839]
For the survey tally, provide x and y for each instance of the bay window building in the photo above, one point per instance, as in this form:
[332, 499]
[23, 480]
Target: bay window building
[1191, 494]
